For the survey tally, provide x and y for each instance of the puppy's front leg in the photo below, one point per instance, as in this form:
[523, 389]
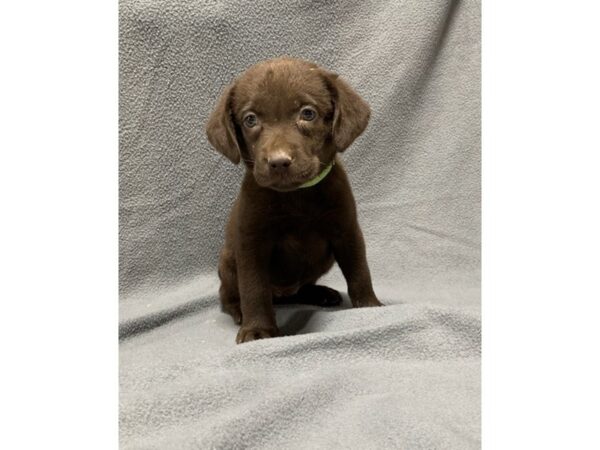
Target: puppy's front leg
[350, 253]
[258, 315]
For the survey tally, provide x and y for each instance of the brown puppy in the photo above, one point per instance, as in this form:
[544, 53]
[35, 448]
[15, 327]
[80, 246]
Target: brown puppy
[286, 119]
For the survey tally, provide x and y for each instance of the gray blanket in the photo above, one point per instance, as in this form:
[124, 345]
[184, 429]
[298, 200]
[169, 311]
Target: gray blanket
[403, 376]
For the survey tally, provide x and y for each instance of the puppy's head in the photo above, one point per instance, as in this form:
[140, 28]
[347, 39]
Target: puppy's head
[286, 119]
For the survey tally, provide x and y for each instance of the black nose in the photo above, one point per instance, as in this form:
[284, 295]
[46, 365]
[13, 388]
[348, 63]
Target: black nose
[279, 162]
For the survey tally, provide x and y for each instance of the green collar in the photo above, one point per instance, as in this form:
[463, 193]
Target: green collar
[319, 177]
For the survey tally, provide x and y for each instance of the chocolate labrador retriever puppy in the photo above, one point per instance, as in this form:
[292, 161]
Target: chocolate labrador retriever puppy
[287, 119]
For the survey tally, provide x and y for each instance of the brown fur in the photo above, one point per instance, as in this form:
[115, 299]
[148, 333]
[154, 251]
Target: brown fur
[281, 239]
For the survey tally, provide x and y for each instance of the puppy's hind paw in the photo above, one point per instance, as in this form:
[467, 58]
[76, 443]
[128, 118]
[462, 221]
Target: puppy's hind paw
[366, 302]
[247, 334]
[319, 296]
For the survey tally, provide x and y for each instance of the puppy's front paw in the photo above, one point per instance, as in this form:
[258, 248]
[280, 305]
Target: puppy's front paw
[247, 334]
[366, 302]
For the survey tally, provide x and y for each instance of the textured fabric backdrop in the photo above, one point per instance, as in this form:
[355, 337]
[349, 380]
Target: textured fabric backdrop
[403, 376]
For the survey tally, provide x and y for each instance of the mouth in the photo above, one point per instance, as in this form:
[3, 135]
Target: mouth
[286, 182]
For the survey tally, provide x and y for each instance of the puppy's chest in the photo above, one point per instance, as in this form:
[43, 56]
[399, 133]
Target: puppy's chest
[294, 234]
[299, 223]
[302, 225]
[298, 246]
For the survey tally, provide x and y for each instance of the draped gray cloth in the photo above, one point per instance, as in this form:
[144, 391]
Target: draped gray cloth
[403, 376]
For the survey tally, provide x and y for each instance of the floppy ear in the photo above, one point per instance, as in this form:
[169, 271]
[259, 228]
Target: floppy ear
[220, 129]
[351, 112]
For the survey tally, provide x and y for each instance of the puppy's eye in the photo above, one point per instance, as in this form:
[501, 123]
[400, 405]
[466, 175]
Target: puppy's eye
[308, 114]
[250, 120]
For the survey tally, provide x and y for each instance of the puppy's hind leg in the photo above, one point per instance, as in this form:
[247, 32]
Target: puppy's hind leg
[229, 293]
[313, 294]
